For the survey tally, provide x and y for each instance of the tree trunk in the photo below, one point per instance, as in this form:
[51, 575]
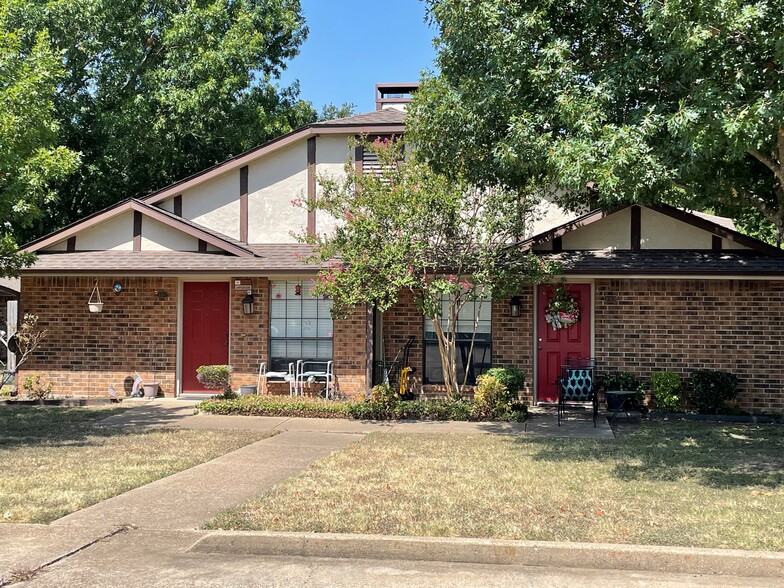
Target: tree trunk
[447, 351]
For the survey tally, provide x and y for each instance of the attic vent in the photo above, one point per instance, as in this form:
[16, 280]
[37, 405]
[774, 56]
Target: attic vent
[370, 164]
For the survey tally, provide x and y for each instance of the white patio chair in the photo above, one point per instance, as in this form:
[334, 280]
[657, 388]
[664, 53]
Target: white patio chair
[265, 376]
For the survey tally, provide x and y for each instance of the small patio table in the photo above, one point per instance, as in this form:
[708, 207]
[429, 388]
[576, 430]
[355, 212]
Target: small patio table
[623, 397]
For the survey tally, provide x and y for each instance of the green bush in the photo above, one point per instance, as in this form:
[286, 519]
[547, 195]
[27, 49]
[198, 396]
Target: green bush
[384, 394]
[492, 398]
[710, 390]
[36, 389]
[435, 410]
[666, 390]
[512, 378]
[216, 377]
[623, 381]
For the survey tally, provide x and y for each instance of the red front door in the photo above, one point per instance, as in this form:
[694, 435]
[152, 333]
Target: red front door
[554, 346]
[205, 329]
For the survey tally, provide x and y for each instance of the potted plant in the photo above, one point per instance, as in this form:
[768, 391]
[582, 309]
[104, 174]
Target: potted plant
[621, 382]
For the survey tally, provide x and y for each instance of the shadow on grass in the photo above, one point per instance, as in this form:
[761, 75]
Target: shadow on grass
[713, 455]
[31, 426]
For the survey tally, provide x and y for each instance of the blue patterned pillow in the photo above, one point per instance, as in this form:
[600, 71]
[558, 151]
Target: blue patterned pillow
[578, 385]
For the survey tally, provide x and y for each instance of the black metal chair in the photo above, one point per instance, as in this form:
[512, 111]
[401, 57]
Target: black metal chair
[577, 384]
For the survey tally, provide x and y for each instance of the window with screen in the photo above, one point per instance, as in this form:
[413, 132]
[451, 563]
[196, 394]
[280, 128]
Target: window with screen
[300, 324]
[481, 358]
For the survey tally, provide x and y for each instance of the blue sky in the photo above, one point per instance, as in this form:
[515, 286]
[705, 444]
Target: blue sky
[354, 45]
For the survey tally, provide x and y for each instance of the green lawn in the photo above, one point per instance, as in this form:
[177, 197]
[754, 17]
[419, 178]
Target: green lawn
[685, 484]
[53, 462]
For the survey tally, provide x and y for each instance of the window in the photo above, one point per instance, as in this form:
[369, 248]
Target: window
[300, 324]
[481, 357]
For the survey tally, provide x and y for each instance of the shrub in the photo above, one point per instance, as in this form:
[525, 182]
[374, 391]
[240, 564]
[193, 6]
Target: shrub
[490, 395]
[435, 410]
[710, 390]
[493, 400]
[383, 394]
[216, 377]
[36, 389]
[512, 378]
[623, 381]
[666, 390]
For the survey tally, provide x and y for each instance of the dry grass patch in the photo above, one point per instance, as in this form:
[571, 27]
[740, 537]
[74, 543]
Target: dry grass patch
[55, 462]
[687, 484]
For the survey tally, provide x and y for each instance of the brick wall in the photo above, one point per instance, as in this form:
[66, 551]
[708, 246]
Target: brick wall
[350, 349]
[640, 326]
[683, 325]
[248, 334]
[84, 352]
[512, 340]
[400, 322]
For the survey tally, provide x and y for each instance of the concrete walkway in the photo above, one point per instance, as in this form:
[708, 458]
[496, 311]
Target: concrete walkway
[541, 422]
[190, 498]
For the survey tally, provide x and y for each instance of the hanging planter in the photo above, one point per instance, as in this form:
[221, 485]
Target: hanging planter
[562, 310]
[95, 304]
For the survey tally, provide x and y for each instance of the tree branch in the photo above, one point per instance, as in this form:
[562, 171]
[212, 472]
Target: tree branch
[769, 162]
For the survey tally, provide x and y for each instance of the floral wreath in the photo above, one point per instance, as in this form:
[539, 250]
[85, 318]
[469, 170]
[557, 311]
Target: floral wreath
[562, 310]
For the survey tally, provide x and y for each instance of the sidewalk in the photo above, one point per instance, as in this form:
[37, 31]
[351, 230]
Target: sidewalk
[541, 422]
[187, 499]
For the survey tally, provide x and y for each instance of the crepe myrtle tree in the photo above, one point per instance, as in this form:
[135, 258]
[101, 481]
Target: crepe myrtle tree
[674, 100]
[405, 227]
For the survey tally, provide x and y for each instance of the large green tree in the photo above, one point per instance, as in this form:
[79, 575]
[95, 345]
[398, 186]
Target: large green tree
[30, 159]
[443, 239]
[155, 90]
[674, 100]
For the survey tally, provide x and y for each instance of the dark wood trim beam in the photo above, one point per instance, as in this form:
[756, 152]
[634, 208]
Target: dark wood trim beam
[70, 245]
[178, 205]
[716, 243]
[244, 204]
[359, 157]
[636, 228]
[137, 230]
[557, 244]
[202, 246]
[311, 185]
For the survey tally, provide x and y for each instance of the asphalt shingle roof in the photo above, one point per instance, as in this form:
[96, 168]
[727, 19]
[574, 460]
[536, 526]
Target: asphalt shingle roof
[388, 116]
[728, 262]
[286, 257]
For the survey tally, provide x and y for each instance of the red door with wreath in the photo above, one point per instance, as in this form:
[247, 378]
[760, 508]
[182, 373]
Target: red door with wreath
[555, 345]
[205, 329]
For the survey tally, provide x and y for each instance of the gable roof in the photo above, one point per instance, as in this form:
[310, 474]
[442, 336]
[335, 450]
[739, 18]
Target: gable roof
[282, 258]
[9, 287]
[376, 122]
[699, 221]
[666, 261]
[188, 227]
[391, 116]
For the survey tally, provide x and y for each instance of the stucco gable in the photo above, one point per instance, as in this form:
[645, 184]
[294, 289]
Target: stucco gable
[134, 226]
[652, 228]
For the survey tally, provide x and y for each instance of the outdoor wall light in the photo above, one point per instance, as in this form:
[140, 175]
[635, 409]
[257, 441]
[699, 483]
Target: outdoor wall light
[515, 305]
[247, 303]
